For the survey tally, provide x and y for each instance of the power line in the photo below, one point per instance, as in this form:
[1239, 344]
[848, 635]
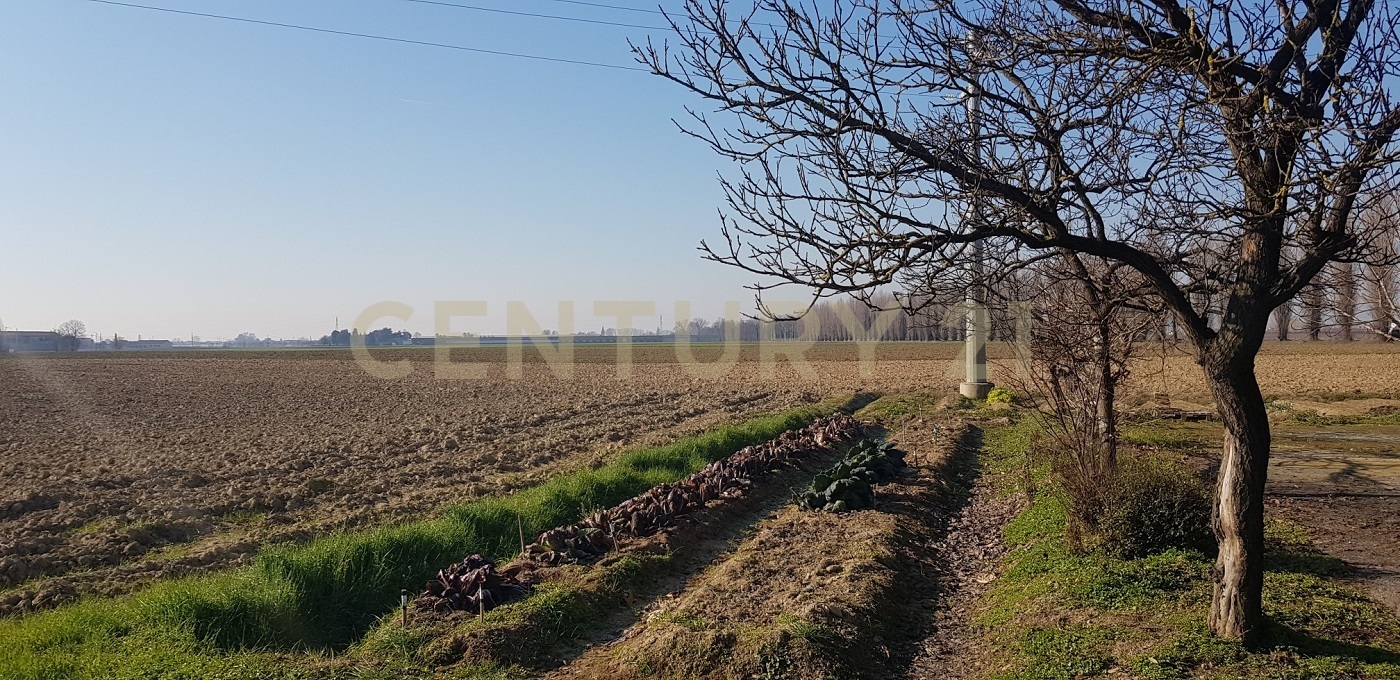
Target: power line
[536, 15]
[650, 11]
[371, 36]
[617, 7]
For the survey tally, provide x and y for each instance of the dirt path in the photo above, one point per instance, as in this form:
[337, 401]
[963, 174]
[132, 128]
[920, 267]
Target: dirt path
[1343, 483]
[967, 557]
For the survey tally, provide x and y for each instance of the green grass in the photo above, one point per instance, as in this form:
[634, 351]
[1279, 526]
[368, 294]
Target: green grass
[91, 528]
[805, 629]
[1312, 417]
[323, 595]
[1168, 436]
[1055, 613]
[246, 517]
[1069, 652]
[894, 406]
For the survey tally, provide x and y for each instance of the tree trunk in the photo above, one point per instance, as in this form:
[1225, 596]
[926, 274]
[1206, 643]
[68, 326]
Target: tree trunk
[1107, 388]
[1345, 278]
[1283, 320]
[1312, 306]
[1236, 609]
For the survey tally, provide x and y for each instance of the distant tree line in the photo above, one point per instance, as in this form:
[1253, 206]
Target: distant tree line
[883, 317]
[383, 337]
[1345, 300]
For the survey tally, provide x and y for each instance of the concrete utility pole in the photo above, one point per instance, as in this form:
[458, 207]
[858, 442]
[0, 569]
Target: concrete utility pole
[976, 385]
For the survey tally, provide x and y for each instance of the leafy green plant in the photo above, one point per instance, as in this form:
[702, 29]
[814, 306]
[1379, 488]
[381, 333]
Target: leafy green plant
[848, 484]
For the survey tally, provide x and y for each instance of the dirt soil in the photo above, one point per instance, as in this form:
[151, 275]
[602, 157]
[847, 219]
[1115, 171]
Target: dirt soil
[1343, 483]
[1322, 370]
[693, 542]
[121, 468]
[118, 468]
[809, 594]
[969, 556]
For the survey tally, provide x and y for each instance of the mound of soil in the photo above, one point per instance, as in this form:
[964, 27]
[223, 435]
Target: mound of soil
[809, 594]
[599, 600]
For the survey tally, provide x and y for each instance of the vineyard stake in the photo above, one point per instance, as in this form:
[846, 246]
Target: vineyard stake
[520, 525]
[480, 602]
[403, 605]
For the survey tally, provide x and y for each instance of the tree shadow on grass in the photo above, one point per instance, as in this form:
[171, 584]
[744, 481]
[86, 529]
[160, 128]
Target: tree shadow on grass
[1314, 563]
[1283, 637]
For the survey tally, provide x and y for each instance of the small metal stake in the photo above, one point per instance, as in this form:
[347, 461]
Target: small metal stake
[403, 605]
[480, 602]
[520, 525]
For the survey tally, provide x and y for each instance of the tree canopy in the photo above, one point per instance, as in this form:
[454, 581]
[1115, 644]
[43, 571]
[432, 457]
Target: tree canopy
[1223, 151]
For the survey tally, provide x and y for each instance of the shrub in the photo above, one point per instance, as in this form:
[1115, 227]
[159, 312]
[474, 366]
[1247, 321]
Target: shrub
[1153, 507]
[1000, 395]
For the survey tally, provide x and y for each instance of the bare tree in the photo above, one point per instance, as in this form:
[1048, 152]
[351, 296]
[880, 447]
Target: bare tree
[1218, 149]
[1088, 319]
[1383, 284]
[1344, 292]
[70, 334]
[1369, 294]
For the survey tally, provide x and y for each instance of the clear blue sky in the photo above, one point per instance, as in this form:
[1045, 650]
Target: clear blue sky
[163, 175]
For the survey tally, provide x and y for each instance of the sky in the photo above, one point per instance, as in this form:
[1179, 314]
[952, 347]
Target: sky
[167, 175]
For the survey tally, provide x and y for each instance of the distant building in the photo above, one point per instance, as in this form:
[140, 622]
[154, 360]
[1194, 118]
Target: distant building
[147, 344]
[29, 341]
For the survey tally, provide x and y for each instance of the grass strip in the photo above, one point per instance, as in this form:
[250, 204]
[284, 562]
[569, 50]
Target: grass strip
[324, 594]
[1058, 613]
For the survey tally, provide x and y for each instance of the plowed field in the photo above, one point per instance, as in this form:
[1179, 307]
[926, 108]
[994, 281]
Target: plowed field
[122, 467]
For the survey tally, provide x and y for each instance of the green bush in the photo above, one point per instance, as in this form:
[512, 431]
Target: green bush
[1153, 507]
[1000, 395]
